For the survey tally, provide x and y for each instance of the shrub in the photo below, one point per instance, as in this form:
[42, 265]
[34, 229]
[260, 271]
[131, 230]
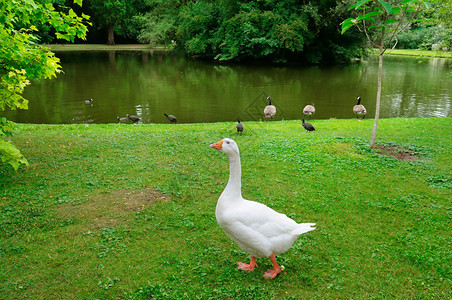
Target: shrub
[425, 38]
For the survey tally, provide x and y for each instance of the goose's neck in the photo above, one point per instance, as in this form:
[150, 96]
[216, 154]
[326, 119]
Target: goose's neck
[233, 189]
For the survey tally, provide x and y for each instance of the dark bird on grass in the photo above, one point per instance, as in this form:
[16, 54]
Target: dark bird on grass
[171, 118]
[89, 101]
[308, 126]
[269, 110]
[122, 120]
[309, 110]
[133, 118]
[239, 127]
[359, 109]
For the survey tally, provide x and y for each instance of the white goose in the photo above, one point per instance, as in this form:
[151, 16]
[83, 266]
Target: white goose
[256, 228]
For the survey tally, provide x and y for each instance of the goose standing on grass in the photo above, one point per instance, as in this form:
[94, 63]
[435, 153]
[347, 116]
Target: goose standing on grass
[122, 120]
[239, 127]
[308, 126]
[269, 110]
[133, 118]
[359, 109]
[309, 110]
[171, 118]
[256, 228]
[89, 101]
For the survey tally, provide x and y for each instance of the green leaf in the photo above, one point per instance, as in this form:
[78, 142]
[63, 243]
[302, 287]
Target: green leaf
[347, 24]
[390, 22]
[49, 6]
[359, 4]
[11, 155]
[374, 26]
[387, 6]
[72, 14]
[369, 16]
[79, 2]
[395, 10]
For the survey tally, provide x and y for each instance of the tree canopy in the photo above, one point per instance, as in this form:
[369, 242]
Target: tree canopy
[115, 16]
[23, 58]
[243, 30]
[227, 30]
[276, 31]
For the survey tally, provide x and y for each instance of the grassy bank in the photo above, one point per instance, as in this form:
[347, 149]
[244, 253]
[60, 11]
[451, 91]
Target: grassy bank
[419, 53]
[128, 211]
[103, 47]
[142, 47]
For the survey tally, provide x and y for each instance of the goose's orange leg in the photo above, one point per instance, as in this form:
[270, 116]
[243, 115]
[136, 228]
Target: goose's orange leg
[276, 269]
[248, 267]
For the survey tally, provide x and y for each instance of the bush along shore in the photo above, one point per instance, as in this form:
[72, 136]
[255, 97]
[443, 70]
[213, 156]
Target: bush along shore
[128, 211]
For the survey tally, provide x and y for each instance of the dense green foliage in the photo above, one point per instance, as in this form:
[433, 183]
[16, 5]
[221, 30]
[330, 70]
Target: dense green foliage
[119, 211]
[425, 37]
[265, 30]
[22, 58]
[433, 31]
[158, 25]
[115, 16]
[424, 26]
[275, 31]
[382, 21]
[439, 13]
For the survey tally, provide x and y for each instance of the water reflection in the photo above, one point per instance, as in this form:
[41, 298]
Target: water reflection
[148, 84]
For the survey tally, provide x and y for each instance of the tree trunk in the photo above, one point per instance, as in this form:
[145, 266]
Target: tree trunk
[111, 34]
[380, 78]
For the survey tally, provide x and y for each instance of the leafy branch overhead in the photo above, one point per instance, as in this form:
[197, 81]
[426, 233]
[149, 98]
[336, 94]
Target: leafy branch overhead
[23, 58]
[379, 15]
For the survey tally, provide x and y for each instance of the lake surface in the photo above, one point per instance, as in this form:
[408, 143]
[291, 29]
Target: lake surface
[148, 84]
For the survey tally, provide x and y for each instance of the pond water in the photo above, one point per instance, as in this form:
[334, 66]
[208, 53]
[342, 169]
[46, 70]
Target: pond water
[149, 84]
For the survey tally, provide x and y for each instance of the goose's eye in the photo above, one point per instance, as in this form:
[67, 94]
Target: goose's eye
[228, 142]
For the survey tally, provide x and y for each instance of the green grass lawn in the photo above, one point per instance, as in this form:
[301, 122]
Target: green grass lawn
[122, 211]
[416, 52]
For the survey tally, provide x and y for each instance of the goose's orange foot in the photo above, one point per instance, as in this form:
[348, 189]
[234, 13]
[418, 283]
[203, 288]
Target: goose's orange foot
[248, 267]
[272, 273]
[276, 269]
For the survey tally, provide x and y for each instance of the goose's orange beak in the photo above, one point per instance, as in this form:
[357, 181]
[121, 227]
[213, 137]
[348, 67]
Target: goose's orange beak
[217, 145]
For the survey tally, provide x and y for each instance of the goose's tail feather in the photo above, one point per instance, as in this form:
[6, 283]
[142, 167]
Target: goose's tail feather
[303, 228]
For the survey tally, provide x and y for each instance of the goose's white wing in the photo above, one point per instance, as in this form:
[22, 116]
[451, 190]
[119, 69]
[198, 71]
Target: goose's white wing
[260, 230]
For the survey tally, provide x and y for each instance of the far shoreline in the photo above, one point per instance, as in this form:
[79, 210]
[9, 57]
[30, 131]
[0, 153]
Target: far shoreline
[146, 47]
[105, 47]
[417, 52]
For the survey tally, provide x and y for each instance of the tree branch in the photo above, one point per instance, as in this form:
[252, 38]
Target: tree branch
[397, 30]
[365, 31]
